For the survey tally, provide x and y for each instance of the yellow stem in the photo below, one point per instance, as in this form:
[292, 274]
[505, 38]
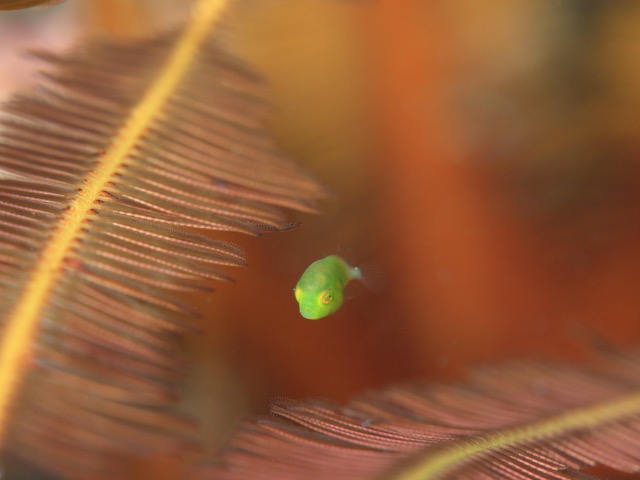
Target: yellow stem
[435, 465]
[21, 324]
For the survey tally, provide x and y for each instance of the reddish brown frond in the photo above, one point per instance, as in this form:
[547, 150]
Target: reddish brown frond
[18, 4]
[527, 420]
[113, 176]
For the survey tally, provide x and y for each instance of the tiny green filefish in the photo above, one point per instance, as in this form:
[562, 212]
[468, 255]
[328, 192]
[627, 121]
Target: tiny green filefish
[320, 290]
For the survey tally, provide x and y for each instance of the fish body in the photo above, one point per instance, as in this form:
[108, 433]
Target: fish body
[320, 290]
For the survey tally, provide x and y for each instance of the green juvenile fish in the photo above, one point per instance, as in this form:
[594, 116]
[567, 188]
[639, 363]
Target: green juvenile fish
[320, 290]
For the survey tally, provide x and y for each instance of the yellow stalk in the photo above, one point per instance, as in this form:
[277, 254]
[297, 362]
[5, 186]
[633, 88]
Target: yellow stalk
[21, 324]
[439, 463]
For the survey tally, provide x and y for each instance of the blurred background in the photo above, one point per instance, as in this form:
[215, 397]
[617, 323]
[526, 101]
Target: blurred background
[482, 154]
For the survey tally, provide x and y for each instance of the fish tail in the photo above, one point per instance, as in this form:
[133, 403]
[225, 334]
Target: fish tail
[373, 277]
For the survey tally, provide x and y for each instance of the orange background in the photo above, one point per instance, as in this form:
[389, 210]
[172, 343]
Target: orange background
[483, 155]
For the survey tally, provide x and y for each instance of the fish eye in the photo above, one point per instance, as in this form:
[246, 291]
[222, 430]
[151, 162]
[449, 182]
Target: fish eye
[326, 297]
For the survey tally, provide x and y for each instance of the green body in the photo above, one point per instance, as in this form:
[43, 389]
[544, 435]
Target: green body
[320, 290]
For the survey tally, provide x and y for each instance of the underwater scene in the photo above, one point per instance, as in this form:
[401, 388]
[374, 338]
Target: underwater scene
[319, 239]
